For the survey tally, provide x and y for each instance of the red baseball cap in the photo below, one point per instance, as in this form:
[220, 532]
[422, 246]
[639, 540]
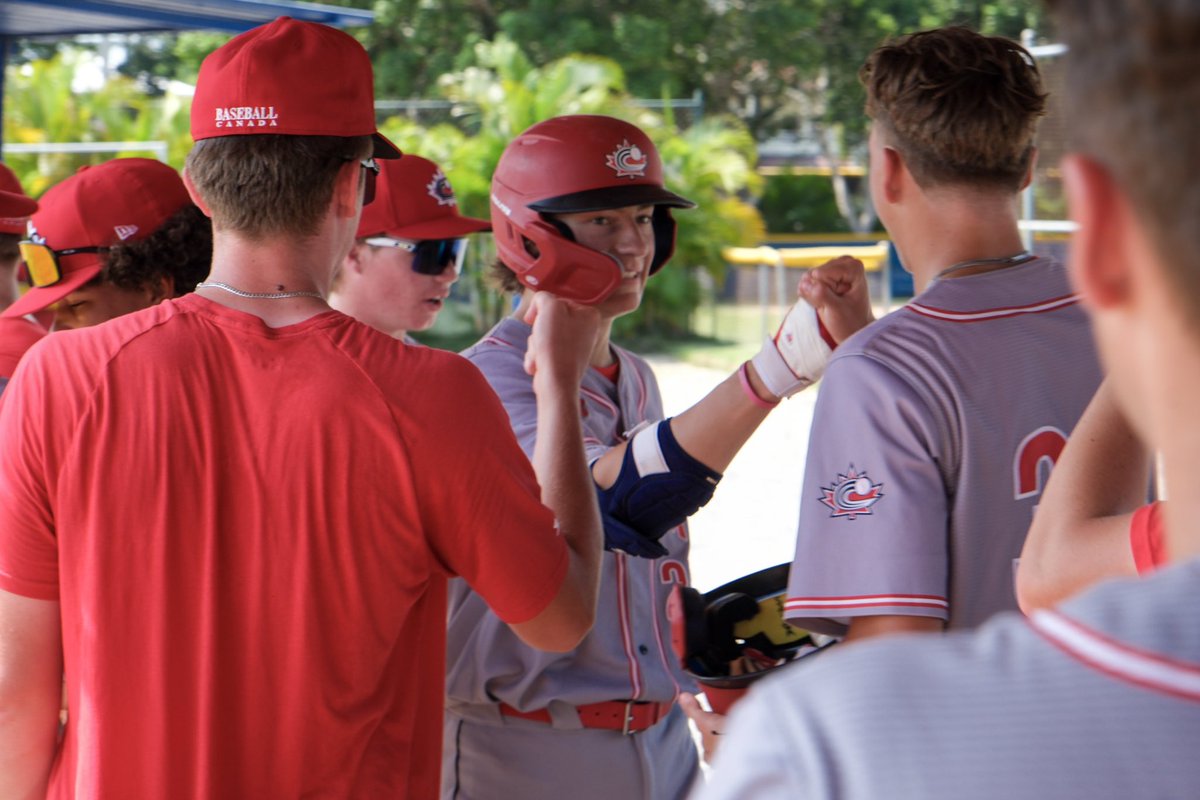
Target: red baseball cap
[99, 206]
[288, 77]
[413, 200]
[15, 206]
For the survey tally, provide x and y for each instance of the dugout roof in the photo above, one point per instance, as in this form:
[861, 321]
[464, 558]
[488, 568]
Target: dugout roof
[60, 18]
[55, 19]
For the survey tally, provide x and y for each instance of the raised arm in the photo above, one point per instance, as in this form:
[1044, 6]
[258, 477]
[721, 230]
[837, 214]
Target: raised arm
[1080, 532]
[559, 346]
[714, 429]
[30, 693]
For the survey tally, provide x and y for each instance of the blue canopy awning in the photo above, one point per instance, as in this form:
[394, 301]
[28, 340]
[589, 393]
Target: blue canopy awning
[62, 18]
[56, 19]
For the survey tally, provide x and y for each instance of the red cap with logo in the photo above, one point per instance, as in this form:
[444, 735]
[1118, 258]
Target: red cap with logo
[414, 201]
[15, 206]
[288, 77]
[99, 206]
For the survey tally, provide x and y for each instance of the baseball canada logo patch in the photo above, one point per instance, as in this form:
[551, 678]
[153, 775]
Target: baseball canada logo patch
[628, 161]
[851, 494]
[439, 189]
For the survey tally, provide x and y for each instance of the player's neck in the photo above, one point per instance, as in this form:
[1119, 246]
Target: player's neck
[955, 233]
[1181, 470]
[1171, 382]
[271, 267]
[9, 290]
[602, 354]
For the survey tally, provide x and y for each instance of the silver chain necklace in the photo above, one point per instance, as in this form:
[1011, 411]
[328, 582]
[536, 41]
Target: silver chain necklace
[990, 263]
[225, 287]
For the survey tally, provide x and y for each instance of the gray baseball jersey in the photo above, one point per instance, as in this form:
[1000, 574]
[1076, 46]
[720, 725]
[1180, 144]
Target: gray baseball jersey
[1099, 699]
[932, 437]
[626, 656]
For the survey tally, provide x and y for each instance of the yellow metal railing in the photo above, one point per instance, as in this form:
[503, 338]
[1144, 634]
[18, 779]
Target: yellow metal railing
[873, 256]
[776, 259]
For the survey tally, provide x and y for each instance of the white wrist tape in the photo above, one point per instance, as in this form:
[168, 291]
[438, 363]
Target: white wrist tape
[797, 356]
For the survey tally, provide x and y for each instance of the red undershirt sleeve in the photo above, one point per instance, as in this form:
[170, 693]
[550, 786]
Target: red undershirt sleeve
[1146, 538]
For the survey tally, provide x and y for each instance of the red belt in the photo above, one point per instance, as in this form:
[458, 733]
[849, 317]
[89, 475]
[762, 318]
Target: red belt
[626, 716]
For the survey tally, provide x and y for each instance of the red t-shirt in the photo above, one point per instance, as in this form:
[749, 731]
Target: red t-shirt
[1146, 538]
[17, 334]
[249, 531]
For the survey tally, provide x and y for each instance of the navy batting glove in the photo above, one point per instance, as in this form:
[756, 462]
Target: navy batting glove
[619, 536]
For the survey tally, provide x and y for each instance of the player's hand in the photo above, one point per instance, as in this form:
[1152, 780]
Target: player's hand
[710, 724]
[838, 291]
[564, 335]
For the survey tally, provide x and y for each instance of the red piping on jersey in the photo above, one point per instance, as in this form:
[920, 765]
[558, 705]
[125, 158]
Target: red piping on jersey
[642, 393]
[635, 670]
[1118, 660]
[497, 340]
[655, 583]
[599, 398]
[993, 313]
[866, 601]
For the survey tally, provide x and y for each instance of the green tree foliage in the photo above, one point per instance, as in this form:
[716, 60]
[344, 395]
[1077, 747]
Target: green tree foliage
[41, 107]
[711, 163]
[800, 204]
[659, 45]
[154, 60]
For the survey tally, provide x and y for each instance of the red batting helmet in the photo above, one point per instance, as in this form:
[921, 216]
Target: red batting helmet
[570, 164]
[735, 634]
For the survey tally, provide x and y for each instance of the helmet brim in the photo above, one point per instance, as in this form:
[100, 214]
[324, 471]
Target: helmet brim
[638, 194]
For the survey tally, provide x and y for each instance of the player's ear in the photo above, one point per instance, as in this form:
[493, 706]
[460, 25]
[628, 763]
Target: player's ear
[347, 188]
[895, 173]
[1102, 246]
[354, 260]
[194, 193]
[1033, 157]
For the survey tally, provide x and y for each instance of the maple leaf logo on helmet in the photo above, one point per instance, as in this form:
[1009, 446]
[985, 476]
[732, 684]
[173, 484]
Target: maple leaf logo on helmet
[851, 494]
[439, 189]
[628, 160]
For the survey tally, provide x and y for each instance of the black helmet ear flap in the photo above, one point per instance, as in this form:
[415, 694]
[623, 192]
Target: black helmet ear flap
[722, 615]
[664, 237]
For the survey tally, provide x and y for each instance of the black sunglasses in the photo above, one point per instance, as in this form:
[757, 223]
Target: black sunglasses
[430, 256]
[371, 171]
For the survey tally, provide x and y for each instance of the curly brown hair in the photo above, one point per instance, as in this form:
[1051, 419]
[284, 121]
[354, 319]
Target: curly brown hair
[181, 248]
[503, 278]
[962, 108]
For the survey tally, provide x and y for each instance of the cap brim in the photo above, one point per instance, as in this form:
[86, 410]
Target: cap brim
[384, 148]
[637, 194]
[450, 227]
[42, 297]
[15, 206]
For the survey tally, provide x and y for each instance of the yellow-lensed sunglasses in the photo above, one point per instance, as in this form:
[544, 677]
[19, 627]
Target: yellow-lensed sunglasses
[41, 261]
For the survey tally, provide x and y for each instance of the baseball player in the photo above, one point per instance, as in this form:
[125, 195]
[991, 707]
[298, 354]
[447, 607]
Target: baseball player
[15, 208]
[580, 209]
[936, 426]
[112, 239]
[231, 516]
[1092, 522]
[16, 335]
[1099, 698]
[409, 251]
